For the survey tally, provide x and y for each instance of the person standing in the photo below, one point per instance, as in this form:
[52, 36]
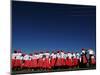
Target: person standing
[92, 60]
[84, 59]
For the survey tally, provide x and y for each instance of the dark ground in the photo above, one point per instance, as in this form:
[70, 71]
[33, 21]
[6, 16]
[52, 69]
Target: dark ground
[54, 70]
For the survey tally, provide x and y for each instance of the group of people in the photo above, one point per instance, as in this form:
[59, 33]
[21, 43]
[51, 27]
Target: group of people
[46, 60]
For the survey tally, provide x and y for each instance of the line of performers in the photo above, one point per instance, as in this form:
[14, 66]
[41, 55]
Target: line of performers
[54, 60]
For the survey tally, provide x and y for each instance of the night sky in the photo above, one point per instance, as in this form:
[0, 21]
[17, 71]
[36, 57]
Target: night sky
[42, 26]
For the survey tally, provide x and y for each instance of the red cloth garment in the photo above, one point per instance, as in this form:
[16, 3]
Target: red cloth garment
[34, 63]
[53, 60]
[58, 62]
[93, 61]
[13, 63]
[75, 62]
[18, 63]
[84, 59]
[69, 62]
[63, 63]
[40, 63]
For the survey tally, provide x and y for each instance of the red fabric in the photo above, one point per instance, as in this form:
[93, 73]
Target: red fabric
[40, 63]
[63, 62]
[75, 61]
[84, 59]
[34, 63]
[93, 61]
[18, 63]
[13, 63]
[27, 63]
[53, 60]
[69, 62]
[46, 63]
[58, 62]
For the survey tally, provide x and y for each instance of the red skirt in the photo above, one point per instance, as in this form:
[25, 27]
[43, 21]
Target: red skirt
[84, 59]
[75, 62]
[53, 60]
[93, 61]
[40, 63]
[13, 63]
[27, 64]
[58, 62]
[18, 63]
[69, 62]
[63, 63]
[34, 63]
[46, 64]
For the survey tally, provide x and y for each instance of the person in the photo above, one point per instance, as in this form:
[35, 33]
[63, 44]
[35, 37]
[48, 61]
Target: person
[74, 59]
[35, 61]
[40, 61]
[30, 61]
[65, 58]
[62, 59]
[14, 59]
[92, 61]
[58, 60]
[84, 59]
[78, 59]
[26, 61]
[47, 64]
[18, 62]
[69, 61]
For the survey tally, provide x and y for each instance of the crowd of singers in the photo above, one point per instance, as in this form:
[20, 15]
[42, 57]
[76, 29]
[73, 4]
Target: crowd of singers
[46, 60]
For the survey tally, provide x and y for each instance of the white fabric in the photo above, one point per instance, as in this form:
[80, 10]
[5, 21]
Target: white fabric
[14, 55]
[91, 51]
[77, 55]
[40, 55]
[74, 55]
[58, 55]
[69, 55]
[65, 56]
[83, 51]
[62, 54]
[26, 57]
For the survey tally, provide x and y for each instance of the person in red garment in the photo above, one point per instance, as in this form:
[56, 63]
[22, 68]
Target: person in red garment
[84, 59]
[69, 61]
[58, 60]
[75, 61]
[18, 62]
[14, 59]
[26, 61]
[47, 63]
[53, 59]
[62, 59]
[92, 60]
[30, 61]
[35, 61]
[78, 59]
[40, 61]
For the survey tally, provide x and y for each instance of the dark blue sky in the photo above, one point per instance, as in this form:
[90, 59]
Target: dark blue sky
[52, 26]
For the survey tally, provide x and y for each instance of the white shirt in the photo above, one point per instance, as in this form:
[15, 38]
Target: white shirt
[91, 51]
[14, 55]
[53, 55]
[74, 55]
[69, 55]
[77, 55]
[18, 55]
[40, 55]
[62, 54]
[58, 55]
[26, 57]
[65, 56]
